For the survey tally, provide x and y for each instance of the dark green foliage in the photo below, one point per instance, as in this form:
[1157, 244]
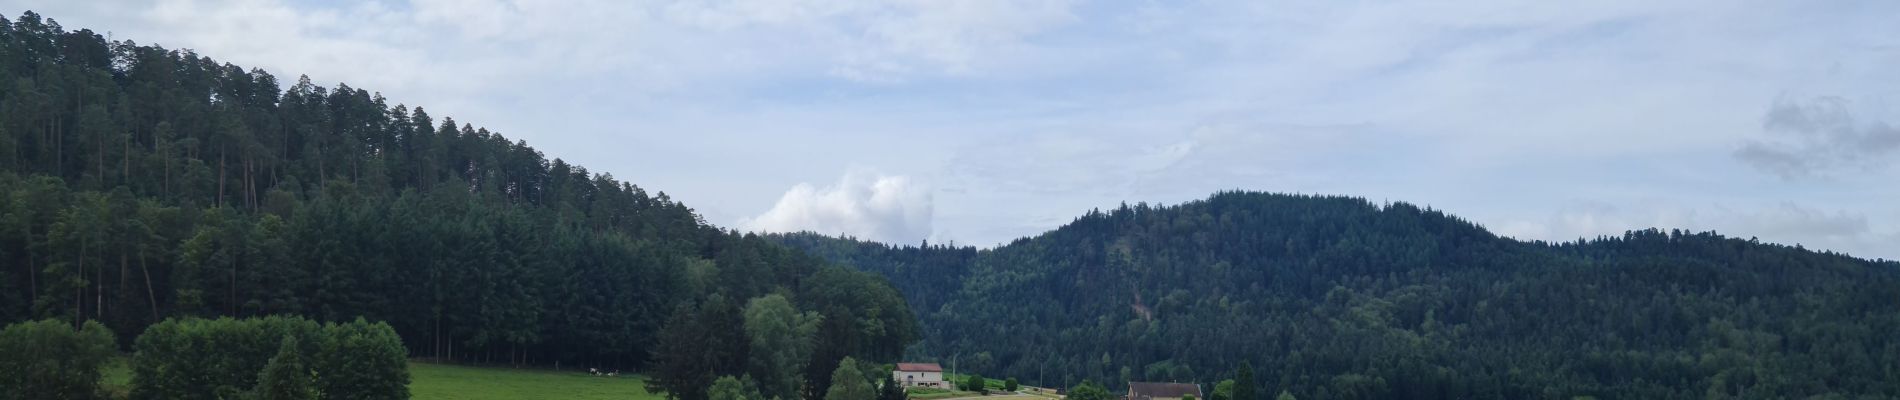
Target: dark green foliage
[285, 376]
[139, 183]
[49, 359]
[1088, 390]
[1336, 297]
[683, 362]
[781, 344]
[1244, 383]
[972, 383]
[730, 388]
[1285, 395]
[363, 361]
[890, 389]
[1010, 385]
[1223, 390]
[200, 358]
[848, 383]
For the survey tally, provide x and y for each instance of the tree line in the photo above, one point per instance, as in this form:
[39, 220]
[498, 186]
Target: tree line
[1341, 298]
[273, 358]
[140, 183]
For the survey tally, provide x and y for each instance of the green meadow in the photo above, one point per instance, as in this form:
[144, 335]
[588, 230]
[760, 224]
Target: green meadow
[430, 381]
[456, 382]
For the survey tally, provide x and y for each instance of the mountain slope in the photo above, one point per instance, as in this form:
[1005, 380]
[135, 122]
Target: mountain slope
[1336, 297]
[139, 183]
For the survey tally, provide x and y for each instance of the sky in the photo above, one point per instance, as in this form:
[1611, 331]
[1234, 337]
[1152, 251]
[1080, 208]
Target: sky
[980, 121]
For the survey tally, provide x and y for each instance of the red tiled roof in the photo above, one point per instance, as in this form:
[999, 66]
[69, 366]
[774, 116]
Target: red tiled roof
[911, 367]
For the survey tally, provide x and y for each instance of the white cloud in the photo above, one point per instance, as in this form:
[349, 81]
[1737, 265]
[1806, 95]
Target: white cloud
[863, 204]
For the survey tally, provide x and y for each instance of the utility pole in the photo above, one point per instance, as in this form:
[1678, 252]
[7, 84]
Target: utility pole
[953, 363]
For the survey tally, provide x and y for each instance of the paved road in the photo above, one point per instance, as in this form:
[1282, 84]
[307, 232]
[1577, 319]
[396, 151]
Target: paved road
[1018, 396]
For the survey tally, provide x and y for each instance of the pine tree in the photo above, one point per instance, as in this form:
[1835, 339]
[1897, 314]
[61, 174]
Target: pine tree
[1244, 383]
[681, 369]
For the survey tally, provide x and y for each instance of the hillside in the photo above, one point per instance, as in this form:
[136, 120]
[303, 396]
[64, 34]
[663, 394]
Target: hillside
[1337, 297]
[140, 183]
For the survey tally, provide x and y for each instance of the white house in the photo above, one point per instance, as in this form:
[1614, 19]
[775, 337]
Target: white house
[919, 375]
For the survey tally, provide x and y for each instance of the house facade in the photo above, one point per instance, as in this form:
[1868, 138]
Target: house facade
[919, 375]
[1163, 391]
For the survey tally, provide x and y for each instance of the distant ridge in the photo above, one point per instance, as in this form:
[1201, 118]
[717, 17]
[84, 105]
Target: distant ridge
[1338, 297]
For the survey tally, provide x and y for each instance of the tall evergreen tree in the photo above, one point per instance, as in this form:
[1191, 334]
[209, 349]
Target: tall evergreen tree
[1244, 383]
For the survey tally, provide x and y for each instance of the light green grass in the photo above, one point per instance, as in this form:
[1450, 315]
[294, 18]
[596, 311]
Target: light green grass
[940, 394]
[454, 382]
[116, 377]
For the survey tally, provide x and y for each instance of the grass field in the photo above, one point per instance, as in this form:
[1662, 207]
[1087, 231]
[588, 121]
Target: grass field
[455, 382]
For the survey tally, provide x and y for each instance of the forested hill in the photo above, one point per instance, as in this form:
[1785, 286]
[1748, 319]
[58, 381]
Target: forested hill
[139, 183]
[1340, 298]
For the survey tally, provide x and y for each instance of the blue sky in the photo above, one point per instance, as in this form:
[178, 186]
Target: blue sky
[979, 121]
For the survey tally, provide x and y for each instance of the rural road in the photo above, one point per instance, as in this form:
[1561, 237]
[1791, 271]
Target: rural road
[1002, 397]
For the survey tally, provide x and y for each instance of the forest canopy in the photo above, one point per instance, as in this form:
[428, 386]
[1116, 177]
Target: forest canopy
[1340, 298]
[140, 183]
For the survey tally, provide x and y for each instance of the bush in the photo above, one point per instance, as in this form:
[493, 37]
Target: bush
[51, 360]
[362, 361]
[204, 359]
[285, 377]
[972, 383]
[1088, 390]
[1011, 385]
[730, 388]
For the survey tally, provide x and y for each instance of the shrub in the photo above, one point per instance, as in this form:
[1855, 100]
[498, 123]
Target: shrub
[1088, 390]
[203, 359]
[51, 360]
[285, 377]
[362, 361]
[1011, 385]
[972, 383]
[730, 388]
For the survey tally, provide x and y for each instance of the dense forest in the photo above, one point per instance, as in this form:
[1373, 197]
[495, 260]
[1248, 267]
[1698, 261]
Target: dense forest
[139, 183]
[1340, 298]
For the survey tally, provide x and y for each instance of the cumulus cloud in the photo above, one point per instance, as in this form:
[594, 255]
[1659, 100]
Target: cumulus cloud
[864, 204]
[1818, 136]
